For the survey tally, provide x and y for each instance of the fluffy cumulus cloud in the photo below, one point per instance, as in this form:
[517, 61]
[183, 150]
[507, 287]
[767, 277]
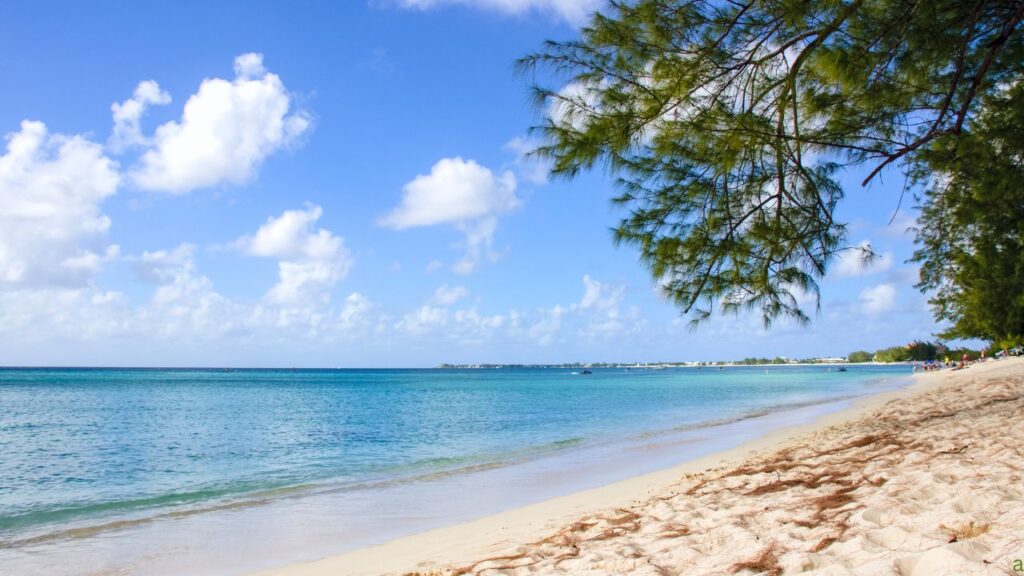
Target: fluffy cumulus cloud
[575, 12]
[456, 190]
[311, 260]
[186, 308]
[52, 230]
[226, 130]
[861, 260]
[127, 115]
[461, 193]
[878, 299]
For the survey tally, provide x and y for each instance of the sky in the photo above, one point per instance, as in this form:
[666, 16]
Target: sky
[343, 184]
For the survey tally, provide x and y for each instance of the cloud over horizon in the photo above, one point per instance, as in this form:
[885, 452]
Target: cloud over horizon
[52, 230]
[311, 261]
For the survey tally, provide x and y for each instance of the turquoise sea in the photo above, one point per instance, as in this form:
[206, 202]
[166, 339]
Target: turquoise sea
[139, 470]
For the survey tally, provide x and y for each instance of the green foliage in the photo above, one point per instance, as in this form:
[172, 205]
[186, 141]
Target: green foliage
[1008, 343]
[758, 361]
[920, 351]
[971, 231]
[860, 356]
[916, 351]
[894, 354]
[725, 124]
[958, 354]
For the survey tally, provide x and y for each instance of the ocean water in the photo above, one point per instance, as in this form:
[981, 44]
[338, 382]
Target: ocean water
[137, 470]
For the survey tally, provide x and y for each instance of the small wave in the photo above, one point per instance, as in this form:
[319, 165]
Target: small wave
[179, 504]
[748, 415]
[182, 505]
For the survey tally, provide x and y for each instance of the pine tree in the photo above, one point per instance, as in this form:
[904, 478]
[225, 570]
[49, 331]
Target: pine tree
[725, 123]
[971, 231]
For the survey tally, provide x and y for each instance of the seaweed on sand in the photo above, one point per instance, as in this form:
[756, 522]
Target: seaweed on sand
[766, 562]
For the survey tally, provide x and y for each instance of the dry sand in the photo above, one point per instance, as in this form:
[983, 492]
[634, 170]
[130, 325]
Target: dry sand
[925, 481]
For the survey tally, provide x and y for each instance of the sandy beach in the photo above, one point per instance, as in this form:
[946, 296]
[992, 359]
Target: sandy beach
[926, 480]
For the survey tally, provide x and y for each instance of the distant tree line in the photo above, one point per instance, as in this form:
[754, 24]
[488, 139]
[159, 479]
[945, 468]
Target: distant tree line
[752, 361]
[916, 351]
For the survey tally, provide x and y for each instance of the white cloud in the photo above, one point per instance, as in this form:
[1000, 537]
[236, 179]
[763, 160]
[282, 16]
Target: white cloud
[465, 327]
[456, 190]
[575, 12]
[446, 296]
[51, 188]
[311, 260]
[598, 315]
[529, 168]
[249, 66]
[599, 296]
[462, 193]
[41, 316]
[434, 266]
[422, 320]
[128, 113]
[183, 308]
[600, 309]
[546, 328]
[479, 239]
[226, 130]
[355, 312]
[184, 303]
[161, 266]
[860, 260]
[474, 319]
[574, 105]
[878, 299]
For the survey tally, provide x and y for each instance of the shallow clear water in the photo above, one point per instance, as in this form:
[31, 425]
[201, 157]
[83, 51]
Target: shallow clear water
[89, 451]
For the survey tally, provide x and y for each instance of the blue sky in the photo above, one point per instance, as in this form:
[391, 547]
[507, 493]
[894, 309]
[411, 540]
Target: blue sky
[340, 184]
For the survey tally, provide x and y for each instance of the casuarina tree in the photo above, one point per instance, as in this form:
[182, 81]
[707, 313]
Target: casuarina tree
[726, 123]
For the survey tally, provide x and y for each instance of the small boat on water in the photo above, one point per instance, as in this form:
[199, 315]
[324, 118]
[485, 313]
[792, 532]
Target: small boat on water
[585, 372]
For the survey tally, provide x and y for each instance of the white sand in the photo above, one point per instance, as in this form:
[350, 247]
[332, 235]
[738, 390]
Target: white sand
[881, 488]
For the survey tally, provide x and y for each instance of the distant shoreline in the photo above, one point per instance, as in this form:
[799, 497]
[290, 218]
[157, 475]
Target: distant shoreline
[665, 365]
[487, 366]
